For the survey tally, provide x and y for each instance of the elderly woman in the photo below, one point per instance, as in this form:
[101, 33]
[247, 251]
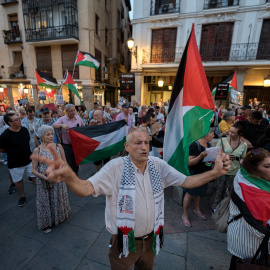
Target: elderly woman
[52, 199]
[237, 149]
[142, 113]
[250, 209]
[226, 123]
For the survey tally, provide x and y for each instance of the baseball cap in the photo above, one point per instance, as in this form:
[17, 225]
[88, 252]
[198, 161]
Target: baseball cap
[246, 107]
[44, 110]
[125, 106]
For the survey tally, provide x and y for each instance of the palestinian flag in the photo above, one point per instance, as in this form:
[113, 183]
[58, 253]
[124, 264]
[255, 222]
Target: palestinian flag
[231, 80]
[190, 110]
[86, 59]
[255, 193]
[44, 79]
[69, 83]
[94, 143]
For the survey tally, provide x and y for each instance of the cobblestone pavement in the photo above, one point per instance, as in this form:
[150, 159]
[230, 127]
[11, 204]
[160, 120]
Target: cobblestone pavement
[81, 242]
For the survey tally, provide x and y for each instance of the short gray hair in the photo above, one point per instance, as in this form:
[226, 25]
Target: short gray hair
[135, 129]
[227, 115]
[68, 106]
[43, 129]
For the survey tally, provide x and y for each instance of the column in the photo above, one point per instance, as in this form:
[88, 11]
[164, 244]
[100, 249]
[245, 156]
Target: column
[88, 97]
[139, 87]
[10, 95]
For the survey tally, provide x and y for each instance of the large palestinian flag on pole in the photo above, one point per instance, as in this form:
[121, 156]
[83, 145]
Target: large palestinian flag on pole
[45, 80]
[231, 80]
[190, 110]
[94, 143]
[69, 83]
[255, 193]
[86, 59]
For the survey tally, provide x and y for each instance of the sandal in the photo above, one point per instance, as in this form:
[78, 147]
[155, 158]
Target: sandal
[186, 222]
[199, 214]
[47, 230]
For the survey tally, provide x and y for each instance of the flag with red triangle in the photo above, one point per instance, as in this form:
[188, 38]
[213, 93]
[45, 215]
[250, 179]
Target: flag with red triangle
[190, 110]
[94, 143]
[86, 59]
[69, 83]
[45, 80]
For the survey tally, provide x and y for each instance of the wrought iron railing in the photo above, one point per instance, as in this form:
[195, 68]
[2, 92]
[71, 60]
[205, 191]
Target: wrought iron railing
[220, 3]
[231, 52]
[12, 36]
[158, 7]
[56, 32]
[6, 2]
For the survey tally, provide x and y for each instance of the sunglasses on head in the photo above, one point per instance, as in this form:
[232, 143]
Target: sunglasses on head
[257, 151]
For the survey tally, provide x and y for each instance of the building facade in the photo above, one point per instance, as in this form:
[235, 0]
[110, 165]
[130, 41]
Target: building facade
[47, 35]
[231, 35]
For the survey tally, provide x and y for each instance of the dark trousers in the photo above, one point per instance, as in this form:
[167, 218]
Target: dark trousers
[143, 258]
[70, 157]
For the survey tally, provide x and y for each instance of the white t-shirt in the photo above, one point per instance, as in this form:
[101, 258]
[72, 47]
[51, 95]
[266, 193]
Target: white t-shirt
[160, 117]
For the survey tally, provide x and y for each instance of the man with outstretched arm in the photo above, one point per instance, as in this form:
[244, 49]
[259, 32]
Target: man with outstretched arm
[134, 187]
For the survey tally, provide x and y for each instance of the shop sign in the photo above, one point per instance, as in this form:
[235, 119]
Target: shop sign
[127, 84]
[222, 91]
[50, 106]
[23, 101]
[42, 95]
[236, 97]
[59, 100]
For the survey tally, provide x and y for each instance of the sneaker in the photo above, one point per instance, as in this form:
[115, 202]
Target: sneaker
[11, 189]
[21, 202]
[47, 230]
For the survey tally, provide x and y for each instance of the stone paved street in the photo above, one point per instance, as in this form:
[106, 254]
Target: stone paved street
[81, 242]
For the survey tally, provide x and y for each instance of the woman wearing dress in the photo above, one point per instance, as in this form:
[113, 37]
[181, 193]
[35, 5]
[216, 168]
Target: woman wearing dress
[52, 199]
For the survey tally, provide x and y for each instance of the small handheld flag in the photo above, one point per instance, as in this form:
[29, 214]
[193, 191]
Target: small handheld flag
[69, 83]
[45, 80]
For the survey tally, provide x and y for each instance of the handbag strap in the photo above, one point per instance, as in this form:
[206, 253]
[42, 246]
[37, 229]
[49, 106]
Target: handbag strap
[263, 248]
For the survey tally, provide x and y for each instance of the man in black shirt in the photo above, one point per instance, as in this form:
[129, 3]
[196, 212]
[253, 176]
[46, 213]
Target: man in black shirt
[15, 142]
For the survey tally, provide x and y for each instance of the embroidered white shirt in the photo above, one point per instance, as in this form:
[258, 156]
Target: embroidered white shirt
[107, 181]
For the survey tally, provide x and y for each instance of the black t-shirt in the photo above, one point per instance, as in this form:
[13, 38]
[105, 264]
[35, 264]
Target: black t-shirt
[194, 150]
[17, 147]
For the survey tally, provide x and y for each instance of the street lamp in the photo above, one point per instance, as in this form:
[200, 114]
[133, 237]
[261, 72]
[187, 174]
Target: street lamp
[160, 82]
[267, 81]
[130, 44]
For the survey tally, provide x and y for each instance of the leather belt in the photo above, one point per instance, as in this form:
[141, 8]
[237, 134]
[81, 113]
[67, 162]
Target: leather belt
[145, 236]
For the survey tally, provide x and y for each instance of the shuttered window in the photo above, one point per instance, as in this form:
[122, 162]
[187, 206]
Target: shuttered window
[44, 59]
[264, 45]
[98, 71]
[69, 53]
[163, 45]
[216, 41]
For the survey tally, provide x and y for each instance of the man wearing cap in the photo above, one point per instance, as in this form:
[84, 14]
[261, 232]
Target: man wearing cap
[246, 109]
[125, 115]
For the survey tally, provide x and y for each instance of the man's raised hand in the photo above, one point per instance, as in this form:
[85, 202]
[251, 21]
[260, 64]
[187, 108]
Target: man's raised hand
[222, 163]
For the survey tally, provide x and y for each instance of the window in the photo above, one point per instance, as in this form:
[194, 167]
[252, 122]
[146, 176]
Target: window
[163, 45]
[98, 71]
[106, 36]
[216, 41]
[69, 53]
[164, 6]
[264, 44]
[122, 12]
[122, 36]
[118, 45]
[97, 25]
[44, 59]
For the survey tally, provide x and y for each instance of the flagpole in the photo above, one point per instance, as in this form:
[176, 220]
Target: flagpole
[219, 133]
[74, 64]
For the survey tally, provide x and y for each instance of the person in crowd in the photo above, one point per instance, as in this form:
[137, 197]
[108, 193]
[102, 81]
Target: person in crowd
[253, 129]
[91, 112]
[237, 149]
[226, 123]
[166, 107]
[238, 112]
[135, 111]
[163, 111]
[117, 181]
[66, 122]
[15, 142]
[220, 108]
[38, 112]
[255, 102]
[111, 115]
[125, 115]
[159, 116]
[22, 113]
[246, 230]
[30, 122]
[106, 112]
[138, 106]
[130, 111]
[46, 119]
[264, 141]
[51, 198]
[60, 113]
[250, 102]
[98, 119]
[142, 113]
[54, 115]
[262, 110]
[82, 112]
[246, 111]
[197, 152]
[151, 110]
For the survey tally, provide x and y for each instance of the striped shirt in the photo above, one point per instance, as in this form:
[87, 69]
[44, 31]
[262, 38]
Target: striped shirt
[243, 240]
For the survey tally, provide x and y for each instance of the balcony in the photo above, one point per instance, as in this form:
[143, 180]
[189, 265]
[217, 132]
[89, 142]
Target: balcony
[208, 4]
[159, 7]
[12, 36]
[233, 52]
[8, 2]
[49, 33]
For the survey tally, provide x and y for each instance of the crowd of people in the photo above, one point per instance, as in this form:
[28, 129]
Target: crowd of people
[241, 131]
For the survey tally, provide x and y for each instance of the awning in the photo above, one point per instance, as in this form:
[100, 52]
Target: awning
[16, 63]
